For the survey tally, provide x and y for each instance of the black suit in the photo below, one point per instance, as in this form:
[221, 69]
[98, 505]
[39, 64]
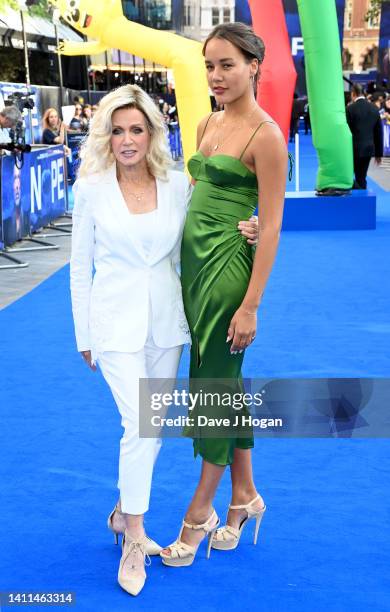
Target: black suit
[367, 135]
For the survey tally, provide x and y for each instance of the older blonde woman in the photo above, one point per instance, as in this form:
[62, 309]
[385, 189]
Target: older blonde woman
[128, 220]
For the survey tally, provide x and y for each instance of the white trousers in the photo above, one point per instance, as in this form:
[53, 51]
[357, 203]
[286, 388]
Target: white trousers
[137, 456]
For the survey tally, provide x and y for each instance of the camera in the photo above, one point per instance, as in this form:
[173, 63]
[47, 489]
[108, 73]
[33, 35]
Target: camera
[20, 100]
[17, 144]
[17, 133]
[18, 141]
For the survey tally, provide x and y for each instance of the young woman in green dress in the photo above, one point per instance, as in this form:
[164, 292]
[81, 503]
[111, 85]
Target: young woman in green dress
[241, 160]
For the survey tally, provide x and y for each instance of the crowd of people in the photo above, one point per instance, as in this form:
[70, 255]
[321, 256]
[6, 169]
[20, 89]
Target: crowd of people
[54, 129]
[365, 112]
[381, 99]
[300, 108]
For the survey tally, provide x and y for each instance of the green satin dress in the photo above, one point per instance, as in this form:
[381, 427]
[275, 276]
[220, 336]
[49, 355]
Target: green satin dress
[216, 266]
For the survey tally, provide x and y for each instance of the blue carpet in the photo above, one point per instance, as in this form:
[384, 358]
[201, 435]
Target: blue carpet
[324, 540]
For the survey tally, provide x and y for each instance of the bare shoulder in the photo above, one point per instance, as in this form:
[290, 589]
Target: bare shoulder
[203, 122]
[269, 143]
[269, 131]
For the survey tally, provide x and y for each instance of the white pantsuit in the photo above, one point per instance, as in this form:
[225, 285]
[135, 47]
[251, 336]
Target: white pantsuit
[129, 313]
[137, 455]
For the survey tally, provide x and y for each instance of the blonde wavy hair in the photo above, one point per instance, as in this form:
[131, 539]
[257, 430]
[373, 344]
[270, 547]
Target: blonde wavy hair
[96, 153]
[45, 118]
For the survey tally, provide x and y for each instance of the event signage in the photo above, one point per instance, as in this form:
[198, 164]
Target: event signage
[384, 45]
[32, 193]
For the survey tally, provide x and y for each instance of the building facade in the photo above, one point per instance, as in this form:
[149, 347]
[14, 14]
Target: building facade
[201, 16]
[156, 14]
[361, 36]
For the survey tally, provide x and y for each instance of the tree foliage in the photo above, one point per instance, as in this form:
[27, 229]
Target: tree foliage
[375, 9]
[40, 9]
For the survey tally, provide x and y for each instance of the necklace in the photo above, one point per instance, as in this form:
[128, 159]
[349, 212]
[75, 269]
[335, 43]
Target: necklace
[139, 196]
[233, 131]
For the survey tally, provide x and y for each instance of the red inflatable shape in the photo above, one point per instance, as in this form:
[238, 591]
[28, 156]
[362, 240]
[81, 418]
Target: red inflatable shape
[278, 74]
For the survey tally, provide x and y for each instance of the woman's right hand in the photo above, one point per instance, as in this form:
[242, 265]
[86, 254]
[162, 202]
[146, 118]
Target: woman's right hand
[86, 355]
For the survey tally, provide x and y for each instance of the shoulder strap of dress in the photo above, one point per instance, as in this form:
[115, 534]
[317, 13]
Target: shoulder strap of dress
[253, 135]
[205, 127]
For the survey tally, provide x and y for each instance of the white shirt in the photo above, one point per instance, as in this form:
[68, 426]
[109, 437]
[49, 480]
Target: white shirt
[145, 227]
[4, 135]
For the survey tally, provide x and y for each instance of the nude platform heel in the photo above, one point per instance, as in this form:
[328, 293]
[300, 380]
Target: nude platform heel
[227, 537]
[183, 554]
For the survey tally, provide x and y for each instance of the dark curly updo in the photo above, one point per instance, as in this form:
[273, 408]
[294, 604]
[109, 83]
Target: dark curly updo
[243, 37]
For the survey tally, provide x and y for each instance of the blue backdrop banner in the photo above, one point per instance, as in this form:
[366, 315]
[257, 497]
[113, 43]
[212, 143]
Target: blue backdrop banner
[15, 199]
[384, 46]
[386, 138]
[31, 195]
[47, 185]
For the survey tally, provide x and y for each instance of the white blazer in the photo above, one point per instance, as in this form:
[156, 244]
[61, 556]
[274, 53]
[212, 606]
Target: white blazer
[110, 308]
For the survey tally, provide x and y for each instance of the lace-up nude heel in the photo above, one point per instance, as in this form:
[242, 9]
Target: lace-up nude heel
[132, 580]
[227, 537]
[151, 547]
[183, 554]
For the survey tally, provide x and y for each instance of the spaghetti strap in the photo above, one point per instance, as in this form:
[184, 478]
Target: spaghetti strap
[253, 135]
[205, 127]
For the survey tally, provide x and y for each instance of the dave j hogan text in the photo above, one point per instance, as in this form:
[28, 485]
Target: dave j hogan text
[204, 421]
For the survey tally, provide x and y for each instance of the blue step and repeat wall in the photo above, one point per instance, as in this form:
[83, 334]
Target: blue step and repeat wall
[384, 46]
[31, 195]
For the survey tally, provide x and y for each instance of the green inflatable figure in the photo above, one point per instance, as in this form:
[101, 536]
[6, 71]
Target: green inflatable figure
[331, 135]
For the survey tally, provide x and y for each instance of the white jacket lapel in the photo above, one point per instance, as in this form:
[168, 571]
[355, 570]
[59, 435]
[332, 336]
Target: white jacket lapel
[122, 212]
[164, 207]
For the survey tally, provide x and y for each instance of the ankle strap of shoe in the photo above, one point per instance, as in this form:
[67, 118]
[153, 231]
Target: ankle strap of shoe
[206, 526]
[244, 506]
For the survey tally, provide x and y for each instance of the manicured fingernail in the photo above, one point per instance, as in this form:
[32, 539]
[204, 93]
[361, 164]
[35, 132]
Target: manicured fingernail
[241, 352]
[227, 339]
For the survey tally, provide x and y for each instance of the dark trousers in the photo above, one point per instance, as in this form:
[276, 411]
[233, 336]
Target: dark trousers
[360, 167]
[294, 128]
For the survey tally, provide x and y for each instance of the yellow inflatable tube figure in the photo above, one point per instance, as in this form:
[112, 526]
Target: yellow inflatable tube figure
[106, 24]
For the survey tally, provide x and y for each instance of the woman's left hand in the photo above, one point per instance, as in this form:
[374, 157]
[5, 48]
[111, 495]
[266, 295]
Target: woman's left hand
[250, 229]
[242, 330]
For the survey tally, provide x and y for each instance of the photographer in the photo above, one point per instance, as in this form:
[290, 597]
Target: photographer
[9, 117]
